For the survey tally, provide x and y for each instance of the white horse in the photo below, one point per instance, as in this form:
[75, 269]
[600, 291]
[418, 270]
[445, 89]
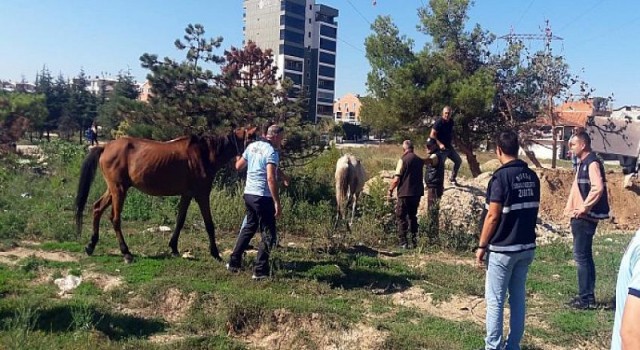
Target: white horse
[350, 177]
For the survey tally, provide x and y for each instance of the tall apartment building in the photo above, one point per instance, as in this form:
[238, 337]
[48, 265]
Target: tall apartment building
[302, 36]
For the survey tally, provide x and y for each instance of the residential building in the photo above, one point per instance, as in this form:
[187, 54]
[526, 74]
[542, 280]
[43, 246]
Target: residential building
[347, 109]
[7, 86]
[568, 115]
[145, 91]
[25, 87]
[302, 36]
[101, 86]
[631, 113]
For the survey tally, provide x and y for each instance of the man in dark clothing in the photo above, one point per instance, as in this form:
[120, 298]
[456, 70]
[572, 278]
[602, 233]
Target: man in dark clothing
[442, 132]
[408, 180]
[434, 179]
[586, 205]
[508, 241]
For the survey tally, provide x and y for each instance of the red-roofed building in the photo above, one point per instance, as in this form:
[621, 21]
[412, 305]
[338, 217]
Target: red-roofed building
[569, 115]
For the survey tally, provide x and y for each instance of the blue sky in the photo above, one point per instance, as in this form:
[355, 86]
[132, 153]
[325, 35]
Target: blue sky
[108, 36]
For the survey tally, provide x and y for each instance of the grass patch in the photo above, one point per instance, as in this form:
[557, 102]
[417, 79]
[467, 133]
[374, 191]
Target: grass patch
[411, 330]
[74, 247]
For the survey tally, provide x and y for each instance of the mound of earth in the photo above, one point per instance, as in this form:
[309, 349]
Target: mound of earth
[463, 204]
[289, 331]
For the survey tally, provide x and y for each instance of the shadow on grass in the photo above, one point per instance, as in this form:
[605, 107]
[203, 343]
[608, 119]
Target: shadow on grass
[342, 276]
[68, 318]
[357, 267]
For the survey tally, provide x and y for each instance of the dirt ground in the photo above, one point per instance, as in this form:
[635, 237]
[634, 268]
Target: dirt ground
[625, 203]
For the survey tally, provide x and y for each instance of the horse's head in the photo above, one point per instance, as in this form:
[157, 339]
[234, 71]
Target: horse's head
[241, 137]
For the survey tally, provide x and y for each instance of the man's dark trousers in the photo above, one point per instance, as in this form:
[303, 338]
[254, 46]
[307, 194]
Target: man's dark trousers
[260, 215]
[407, 219]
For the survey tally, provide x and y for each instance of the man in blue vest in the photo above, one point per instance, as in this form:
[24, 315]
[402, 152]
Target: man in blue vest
[587, 204]
[508, 241]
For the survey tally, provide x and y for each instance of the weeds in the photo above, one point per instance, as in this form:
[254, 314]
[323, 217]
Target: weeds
[19, 329]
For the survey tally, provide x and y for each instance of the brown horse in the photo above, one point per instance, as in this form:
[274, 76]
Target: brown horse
[182, 167]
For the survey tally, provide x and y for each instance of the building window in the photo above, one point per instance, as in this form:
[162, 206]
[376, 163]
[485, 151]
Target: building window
[327, 58]
[293, 65]
[328, 45]
[296, 78]
[292, 7]
[325, 110]
[293, 51]
[325, 84]
[328, 31]
[289, 21]
[327, 71]
[291, 36]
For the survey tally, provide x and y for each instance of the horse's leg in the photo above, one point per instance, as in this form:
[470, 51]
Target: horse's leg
[118, 194]
[205, 210]
[98, 208]
[183, 206]
[353, 207]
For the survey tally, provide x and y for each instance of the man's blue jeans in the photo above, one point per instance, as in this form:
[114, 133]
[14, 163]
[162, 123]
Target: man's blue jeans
[506, 272]
[583, 232]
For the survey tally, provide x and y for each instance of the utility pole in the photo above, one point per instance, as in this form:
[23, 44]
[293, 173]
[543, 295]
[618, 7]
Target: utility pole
[547, 37]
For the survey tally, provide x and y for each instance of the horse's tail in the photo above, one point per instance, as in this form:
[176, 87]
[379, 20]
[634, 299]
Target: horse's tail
[87, 174]
[342, 184]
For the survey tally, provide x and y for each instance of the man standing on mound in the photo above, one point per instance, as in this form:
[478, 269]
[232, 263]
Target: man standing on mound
[442, 132]
[261, 199]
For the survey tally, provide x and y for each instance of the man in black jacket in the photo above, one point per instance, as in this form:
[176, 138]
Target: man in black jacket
[434, 180]
[408, 180]
[508, 241]
[442, 132]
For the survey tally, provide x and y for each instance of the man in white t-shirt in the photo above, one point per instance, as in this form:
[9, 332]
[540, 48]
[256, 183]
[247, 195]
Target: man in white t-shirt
[626, 327]
[261, 199]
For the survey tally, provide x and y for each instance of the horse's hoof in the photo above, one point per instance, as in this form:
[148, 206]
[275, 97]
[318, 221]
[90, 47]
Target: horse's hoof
[217, 257]
[128, 258]
[89, 250]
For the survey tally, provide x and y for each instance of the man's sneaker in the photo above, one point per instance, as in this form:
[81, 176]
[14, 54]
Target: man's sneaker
[580, 304]
[453, 182]
[232, 269]
[259, 277]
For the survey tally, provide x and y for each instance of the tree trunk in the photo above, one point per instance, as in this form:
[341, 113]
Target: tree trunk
[474, 166]
[532, 157]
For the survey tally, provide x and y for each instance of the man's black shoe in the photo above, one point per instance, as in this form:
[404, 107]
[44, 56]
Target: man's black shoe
[580, 304]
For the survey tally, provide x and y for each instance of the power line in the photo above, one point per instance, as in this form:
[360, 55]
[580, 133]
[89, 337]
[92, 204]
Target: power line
[524, 13]
[610, 32]
[353, 46]
[581, 15]
[358, 11]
